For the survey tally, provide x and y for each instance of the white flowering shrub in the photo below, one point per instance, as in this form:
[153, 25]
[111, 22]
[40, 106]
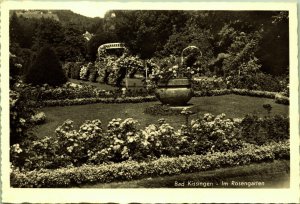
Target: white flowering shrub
[122, 140]
[20, 114]
[38, 118]
[214, 133]
[84, 72]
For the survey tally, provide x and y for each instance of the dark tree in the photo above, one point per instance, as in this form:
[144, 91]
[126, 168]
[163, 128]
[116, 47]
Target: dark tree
[46, 69]
[15, 30]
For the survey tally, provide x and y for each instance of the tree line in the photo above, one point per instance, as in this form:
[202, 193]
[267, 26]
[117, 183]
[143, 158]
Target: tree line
[226, 38]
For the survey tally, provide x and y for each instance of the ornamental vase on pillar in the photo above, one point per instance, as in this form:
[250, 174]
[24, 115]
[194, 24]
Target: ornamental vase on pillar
[175, 92]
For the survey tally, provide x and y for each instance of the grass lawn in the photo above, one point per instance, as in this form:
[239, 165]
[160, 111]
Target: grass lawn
[274, 175]
[232, 105]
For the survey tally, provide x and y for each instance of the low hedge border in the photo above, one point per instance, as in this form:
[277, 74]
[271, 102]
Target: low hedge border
[279, 98]
[246, 92]
[83, 101]
[76, 176]
[217, 92]
[282, 99]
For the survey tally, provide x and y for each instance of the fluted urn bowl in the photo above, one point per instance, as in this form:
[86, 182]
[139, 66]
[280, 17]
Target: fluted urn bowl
[175, 92]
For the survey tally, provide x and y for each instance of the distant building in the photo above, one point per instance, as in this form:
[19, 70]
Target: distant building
[87, 36]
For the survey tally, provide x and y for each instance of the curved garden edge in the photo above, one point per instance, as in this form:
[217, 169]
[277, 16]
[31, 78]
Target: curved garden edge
[76, 176]
[279, 98]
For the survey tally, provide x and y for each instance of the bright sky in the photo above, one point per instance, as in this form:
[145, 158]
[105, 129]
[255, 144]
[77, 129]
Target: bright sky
[90, 9]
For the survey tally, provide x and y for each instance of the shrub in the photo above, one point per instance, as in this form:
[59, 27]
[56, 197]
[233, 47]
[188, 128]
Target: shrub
[46, 69]
[74, 176]
[67, 67]
[213, 133]
[122, 140]
[258, 81]
[20, 115]
[263, 130]
[38, 118]
[207, 84]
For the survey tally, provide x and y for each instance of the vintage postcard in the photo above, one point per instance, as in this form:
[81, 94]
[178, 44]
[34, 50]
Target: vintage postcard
[149, 102]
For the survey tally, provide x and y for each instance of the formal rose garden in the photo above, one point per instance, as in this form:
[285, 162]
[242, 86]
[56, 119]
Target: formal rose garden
[79, 120]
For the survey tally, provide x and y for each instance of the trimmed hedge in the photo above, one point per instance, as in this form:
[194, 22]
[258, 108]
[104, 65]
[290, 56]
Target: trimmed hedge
[218, 92]
[281, 99]
[74, 176]
[83, 101]
[247, 92]
[88, 95]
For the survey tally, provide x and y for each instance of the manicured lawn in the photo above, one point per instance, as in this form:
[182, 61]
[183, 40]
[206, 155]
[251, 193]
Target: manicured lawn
[274, 175]
[232, 105]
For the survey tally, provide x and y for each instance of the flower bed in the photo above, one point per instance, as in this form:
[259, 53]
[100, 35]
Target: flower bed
[74, 176]
[122, 140]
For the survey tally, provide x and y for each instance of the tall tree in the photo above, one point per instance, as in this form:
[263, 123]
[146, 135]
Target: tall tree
[73, 47]
[15, 29]
[46, 69]
[49, 32]
[144, 32]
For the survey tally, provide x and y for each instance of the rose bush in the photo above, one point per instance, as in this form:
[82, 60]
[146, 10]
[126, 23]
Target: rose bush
[123, 140]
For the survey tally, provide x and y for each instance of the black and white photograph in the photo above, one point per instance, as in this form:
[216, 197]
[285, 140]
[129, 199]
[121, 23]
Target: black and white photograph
[183, 98]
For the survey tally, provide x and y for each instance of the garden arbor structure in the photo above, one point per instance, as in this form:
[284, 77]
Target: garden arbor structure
[104, 49]
[111, 46]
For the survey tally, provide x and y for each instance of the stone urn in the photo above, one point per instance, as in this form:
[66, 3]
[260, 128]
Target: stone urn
[175, 92]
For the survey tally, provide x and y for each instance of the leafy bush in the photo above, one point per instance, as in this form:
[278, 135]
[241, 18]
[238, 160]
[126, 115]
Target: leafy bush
[38, 118]
[263, 130]
[122, 140]
[208, 84]
[213, 133]
[46, 69]
[20, 115]
[74, 176]
[255, 81]
[86, 70]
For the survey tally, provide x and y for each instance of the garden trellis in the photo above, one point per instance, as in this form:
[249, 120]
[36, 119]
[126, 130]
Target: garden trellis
[109, 46]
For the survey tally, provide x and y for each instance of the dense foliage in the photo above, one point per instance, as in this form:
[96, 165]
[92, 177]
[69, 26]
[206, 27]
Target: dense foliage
[46, 69]
[122, 140]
